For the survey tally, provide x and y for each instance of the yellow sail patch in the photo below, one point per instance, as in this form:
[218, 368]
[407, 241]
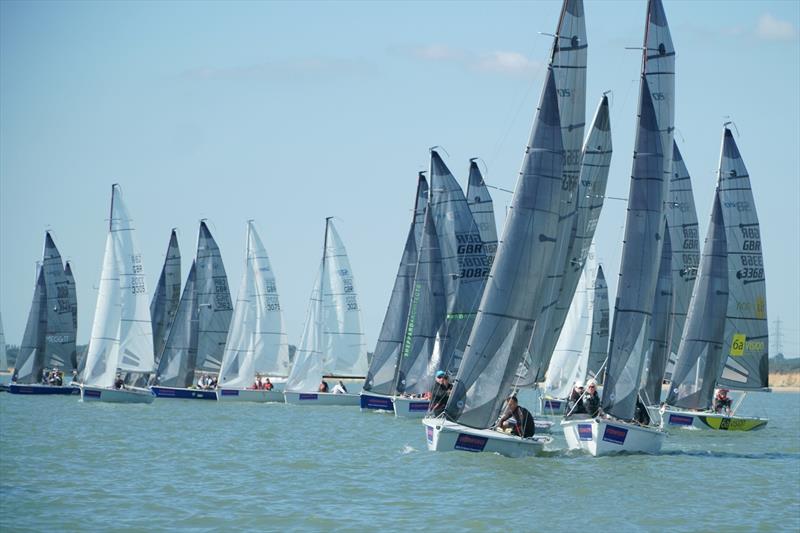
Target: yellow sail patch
[737, 344]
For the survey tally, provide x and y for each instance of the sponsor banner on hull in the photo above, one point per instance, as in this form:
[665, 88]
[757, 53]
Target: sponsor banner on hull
[585, 431]
[615, 434]
[470, 443]
[680, 420]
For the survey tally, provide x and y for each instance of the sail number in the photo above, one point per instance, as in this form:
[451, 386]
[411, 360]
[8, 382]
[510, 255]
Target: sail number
[750, 273]
[752, 261]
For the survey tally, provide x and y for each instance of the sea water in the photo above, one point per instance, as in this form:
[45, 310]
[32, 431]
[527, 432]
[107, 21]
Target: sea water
[208, 466]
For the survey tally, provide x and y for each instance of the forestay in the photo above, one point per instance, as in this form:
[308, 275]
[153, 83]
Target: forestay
[507, 311]
[382, 372]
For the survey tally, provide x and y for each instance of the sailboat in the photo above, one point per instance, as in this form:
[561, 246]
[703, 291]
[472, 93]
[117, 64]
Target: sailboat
[583, 337]
[380, 385]
[616, 430]
[257, 345]
[196, 340]
[333, 341]
[49, 340]
[509, 309]
[725, 340]
[122, 336]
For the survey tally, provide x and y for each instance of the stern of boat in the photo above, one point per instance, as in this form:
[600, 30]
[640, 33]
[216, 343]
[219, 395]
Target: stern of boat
[601, 436]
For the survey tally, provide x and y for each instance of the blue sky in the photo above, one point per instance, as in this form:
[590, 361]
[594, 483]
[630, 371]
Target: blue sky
[291, 112]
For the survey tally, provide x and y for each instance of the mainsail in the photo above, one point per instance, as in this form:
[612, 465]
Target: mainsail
[179, 357]
[122, 331]
[746, 341]
[425, 316]
[482, 208]
[213, 302]
[60, 331]
[464, 260]
[507, 312]
[568, 67]
[645, 224]
[167, 295]
[383, 367]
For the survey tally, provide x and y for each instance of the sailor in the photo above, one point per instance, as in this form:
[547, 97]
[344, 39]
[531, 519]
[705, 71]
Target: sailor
[119, 383]
[74, 375]
[722, 404]
[266, 384]
[323, 386]
[574, 404]
[591, 401]
[441, 392]
[640, 413]
[339, 388]
[517, 418]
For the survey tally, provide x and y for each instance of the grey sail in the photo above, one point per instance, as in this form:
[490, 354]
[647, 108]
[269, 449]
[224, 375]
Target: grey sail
[60, 333]
[507, 311]
[598, 346]
[178, 359]
[31, 356]
[3, 353]
[425, 316]
[382, 369]
[482, 208]
[746, 341]
[167, 295]
[464, 261]
[214, 306]
[72, 295]
[645, 223]
[658, 344]
[595, 164]
[568, 65]
[684, 239]
[700, 351]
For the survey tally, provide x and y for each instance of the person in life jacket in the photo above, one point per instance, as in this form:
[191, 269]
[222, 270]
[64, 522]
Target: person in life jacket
[722, 404]
[517, 418]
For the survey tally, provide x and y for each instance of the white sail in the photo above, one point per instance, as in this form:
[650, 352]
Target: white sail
[343, 347]
[237, 365]
[307, 369]
[122, 331]
[571, 354]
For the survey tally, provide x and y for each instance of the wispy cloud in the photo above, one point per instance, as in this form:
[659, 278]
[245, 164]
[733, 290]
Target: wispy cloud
[772, 28]
[308, 69]
[498, 62]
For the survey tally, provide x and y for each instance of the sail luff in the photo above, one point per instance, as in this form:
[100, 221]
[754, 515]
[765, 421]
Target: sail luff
[507, 312]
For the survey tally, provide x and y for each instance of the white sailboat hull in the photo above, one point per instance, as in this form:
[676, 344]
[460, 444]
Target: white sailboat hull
[444, 436]
[377, 403]
[250, 395]
[320, 398]
[552, 406]
[128, 395]
[675, 418]
[601, 436]
[411, 407]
